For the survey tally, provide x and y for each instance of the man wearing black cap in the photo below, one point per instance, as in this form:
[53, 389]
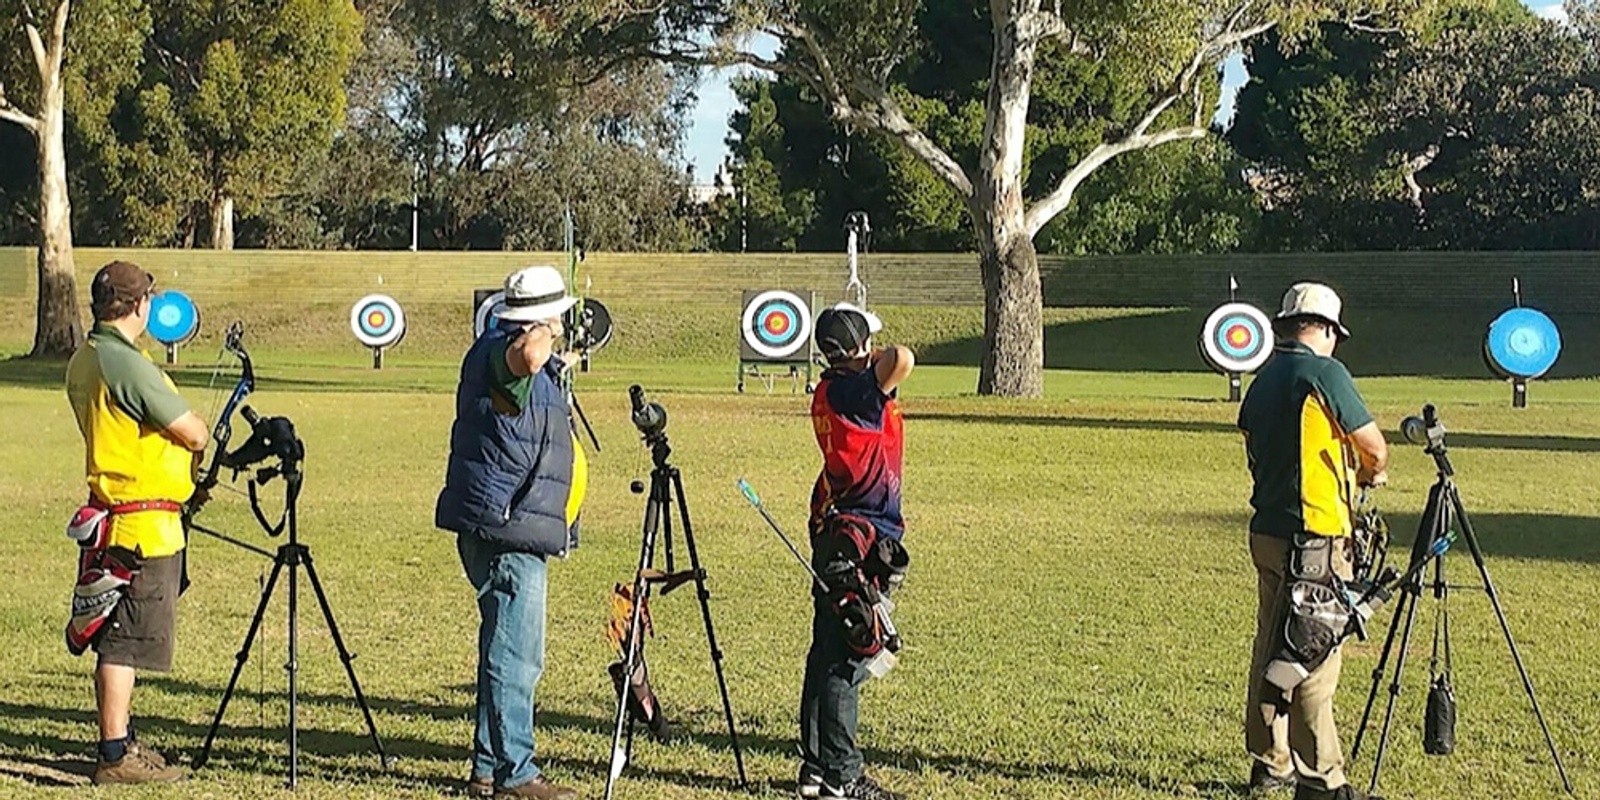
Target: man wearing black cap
[142, 444]
[859, 429]
[1310, 442]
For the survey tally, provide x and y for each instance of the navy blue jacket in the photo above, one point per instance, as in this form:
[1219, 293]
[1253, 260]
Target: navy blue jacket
[509, 475]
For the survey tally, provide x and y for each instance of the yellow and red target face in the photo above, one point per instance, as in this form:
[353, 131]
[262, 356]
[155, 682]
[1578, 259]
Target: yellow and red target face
[776, 325]
[1239, 337]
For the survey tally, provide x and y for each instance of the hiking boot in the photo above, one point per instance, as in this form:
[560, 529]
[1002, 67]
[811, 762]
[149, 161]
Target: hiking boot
[480, 786]
[808, 785]
[138, 765]
[538, 789]
[1345, 792]
[1262, 780]
[862, 788]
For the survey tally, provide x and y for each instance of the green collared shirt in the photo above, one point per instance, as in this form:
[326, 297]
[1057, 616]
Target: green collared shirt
[1297, 418]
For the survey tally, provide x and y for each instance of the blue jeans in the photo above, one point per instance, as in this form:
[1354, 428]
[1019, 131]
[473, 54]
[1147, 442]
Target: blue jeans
[511, 594]
[830, 701]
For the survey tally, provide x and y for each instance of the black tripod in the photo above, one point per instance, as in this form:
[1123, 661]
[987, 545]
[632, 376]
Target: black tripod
[1444, 508]
[666, 485]
[275, 437]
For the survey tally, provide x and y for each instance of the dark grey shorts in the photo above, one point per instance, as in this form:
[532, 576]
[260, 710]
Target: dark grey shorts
[140, 631]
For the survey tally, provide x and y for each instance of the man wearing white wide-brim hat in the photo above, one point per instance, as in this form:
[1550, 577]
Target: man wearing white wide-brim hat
[513, 489]
[1310, 442]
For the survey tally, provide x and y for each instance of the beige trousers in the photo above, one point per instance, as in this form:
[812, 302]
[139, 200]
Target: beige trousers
[1297, 736]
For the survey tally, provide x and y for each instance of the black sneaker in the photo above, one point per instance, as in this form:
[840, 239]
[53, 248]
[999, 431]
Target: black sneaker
[1345, 792]
[808, 785]
[1262, 780]
[862, 788]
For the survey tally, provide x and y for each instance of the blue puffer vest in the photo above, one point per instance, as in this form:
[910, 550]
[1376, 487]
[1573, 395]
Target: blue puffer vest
[509, 475]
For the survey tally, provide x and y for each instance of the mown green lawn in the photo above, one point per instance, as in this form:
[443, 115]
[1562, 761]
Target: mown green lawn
[1077, 617]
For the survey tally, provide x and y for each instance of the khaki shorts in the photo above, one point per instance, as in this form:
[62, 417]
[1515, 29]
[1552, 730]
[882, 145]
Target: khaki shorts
[140, 631]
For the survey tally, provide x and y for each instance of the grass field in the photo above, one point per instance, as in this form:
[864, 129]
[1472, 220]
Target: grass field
[1077, 617]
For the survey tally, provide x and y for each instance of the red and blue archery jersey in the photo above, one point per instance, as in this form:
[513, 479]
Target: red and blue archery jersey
[862, 438]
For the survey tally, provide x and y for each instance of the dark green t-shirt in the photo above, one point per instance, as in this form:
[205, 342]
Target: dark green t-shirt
[508, 388]
[1297, 418]
[135, 383]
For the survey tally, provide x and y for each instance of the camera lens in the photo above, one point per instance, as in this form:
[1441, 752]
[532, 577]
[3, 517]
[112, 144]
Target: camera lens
[1414, 429]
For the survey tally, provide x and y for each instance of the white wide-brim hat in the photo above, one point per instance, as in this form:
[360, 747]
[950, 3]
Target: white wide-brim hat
[535, 294]
[1314, 300]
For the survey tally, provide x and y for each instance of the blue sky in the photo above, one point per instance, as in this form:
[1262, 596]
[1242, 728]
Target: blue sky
[709, 120]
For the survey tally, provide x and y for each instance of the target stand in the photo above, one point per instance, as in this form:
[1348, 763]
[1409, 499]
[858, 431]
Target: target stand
[775, 331]
[1522, 344]
[379, 323]
[1236, 339]
[174, 320]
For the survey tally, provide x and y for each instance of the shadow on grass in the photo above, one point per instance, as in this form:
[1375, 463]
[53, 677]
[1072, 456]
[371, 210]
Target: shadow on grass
[1492, 441]
[1546, 537]
[1424, 344]
[706, 728]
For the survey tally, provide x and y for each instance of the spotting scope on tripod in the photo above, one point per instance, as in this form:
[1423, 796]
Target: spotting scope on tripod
[665, 496]
[1445, 515]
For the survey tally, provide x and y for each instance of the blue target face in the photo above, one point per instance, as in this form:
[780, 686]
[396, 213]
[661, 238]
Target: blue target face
[1522, 343]
[174, 319]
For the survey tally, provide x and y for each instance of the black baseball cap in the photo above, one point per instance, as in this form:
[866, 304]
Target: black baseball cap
[843, 329]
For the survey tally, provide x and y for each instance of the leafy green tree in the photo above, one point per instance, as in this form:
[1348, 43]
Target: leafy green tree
[1479, 133]
[1152, 58]
[228, 101]
[38, 86]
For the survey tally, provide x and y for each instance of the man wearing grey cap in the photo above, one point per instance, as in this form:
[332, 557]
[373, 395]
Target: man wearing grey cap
[1310, 443]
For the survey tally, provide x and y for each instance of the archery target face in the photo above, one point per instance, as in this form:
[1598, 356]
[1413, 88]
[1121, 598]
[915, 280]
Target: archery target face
[1237, 338]
[776, 324]
[377, 321]
[174, 319]
[589, 329]
[1522, 343]
[487, 309]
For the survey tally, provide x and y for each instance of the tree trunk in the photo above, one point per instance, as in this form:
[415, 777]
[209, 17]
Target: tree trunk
[1013, 327]
[1013, 317]
[222, 223]
[60, 328]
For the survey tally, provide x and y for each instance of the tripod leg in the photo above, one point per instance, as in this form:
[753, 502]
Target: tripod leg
[711, 634]
[293, 668]
[1394, 693]
[641, 589]
[347, 658]
[1505, 627]
[244, 653]
[1406, 598]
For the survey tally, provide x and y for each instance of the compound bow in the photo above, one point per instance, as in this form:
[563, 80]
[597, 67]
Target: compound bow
[222, 432]
[576, 328]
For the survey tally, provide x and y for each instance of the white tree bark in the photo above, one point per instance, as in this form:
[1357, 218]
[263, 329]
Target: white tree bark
[1013, 326]
[222, 223]
[59, 327]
